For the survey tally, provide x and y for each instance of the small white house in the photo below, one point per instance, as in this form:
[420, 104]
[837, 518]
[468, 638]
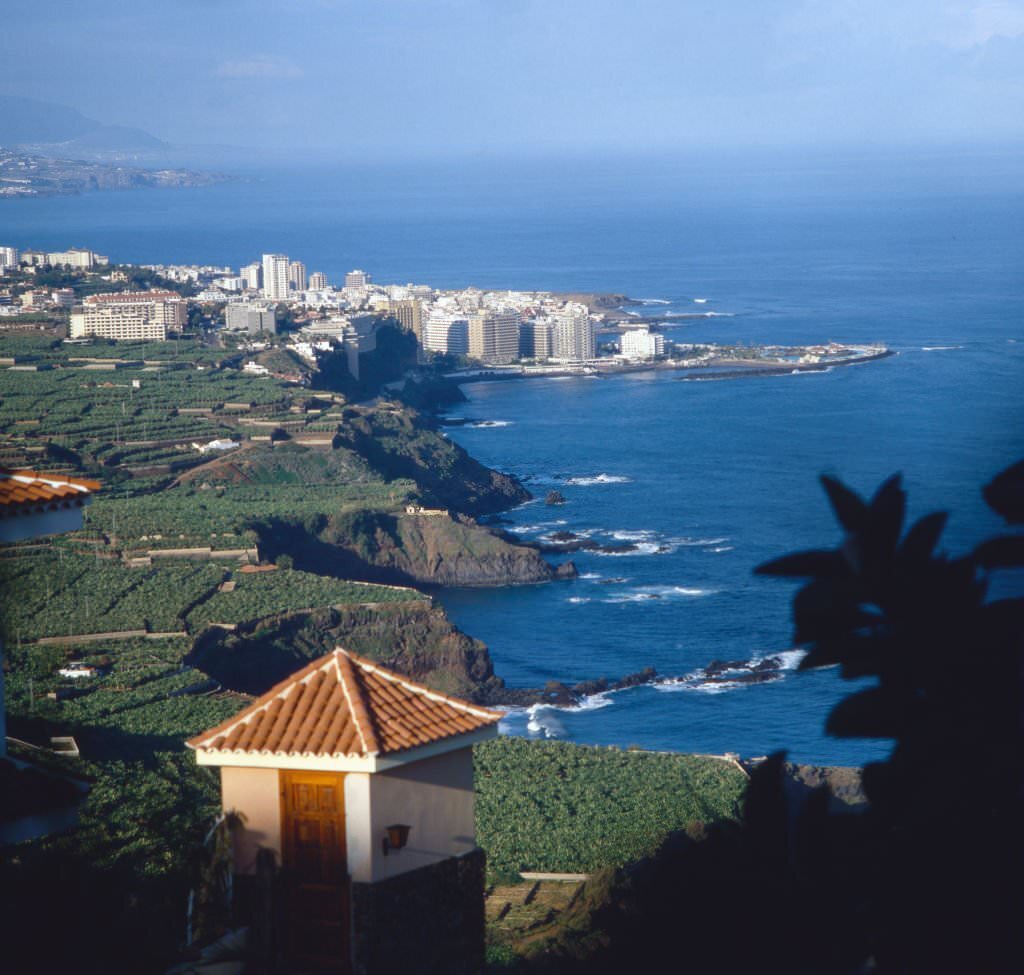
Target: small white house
[360, 783]
[216, 446]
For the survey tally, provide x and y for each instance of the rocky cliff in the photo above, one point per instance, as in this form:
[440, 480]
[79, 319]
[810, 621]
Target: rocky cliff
[412, 638]
[434, 549]
[399, 442]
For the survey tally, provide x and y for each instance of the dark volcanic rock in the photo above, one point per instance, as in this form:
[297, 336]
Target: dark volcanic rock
[567, 570]
[420, 549]
[414, 638]
[558, 694]
[619, 549]
[554, 497]
[400, 443]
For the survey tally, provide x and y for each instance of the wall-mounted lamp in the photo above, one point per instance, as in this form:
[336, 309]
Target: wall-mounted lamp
[395, 837]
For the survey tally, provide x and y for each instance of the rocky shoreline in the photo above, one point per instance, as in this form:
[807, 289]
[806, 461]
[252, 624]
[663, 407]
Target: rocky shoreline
[761, 670]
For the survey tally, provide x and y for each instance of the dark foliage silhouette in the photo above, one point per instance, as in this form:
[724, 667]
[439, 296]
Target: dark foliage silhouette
[928, 878]
[944, 816]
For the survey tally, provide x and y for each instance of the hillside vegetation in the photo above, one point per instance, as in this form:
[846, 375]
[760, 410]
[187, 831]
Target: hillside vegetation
[551, 806]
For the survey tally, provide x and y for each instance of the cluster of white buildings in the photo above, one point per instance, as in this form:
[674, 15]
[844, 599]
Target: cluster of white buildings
[78, 258]
[492, 327]
[129, 316]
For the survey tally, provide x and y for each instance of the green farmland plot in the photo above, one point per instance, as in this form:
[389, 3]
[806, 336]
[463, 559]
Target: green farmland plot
[59, 593]
[261, 594]
[556, 807]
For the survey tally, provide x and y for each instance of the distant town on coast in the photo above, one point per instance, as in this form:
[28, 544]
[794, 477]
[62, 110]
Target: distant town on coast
[276, 305]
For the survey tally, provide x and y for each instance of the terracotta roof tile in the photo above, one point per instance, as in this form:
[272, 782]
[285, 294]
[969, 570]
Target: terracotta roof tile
[26, 491]
[341, 705]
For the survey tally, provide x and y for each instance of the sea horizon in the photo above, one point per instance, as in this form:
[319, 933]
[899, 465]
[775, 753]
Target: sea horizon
[931, 269]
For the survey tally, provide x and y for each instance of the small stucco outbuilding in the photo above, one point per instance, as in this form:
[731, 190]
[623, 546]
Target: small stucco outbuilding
[360, 783]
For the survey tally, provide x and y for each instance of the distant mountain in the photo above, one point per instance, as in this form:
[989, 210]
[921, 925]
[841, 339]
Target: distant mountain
[45, 126]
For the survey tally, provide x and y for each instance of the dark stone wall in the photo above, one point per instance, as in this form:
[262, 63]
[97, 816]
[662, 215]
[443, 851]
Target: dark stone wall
[427, 921]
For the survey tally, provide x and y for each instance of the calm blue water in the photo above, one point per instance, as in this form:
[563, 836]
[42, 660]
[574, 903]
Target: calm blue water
[718, 475]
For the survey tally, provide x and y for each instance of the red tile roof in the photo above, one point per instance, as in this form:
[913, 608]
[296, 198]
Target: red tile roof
[25, 492]
[341, 705]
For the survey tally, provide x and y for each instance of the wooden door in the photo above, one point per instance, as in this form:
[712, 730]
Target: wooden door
[315, 869]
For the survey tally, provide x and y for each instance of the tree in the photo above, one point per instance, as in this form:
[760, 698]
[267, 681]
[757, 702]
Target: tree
[945, 808]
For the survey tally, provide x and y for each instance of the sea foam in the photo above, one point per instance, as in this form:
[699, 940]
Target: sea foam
[598, 479]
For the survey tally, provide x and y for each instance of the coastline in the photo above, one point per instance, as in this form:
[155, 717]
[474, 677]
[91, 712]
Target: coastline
[713, 368]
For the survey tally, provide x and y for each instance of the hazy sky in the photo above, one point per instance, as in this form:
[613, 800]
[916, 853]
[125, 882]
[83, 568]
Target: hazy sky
[493, 76]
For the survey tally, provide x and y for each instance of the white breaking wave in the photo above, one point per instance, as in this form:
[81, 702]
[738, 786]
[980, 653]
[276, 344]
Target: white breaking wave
[542, 721]
[700, 301]
[677, 591]
[590, 702]
[487, 424]
[735, 675]
[679, 685]
[646, 593]
[590, 575]
[697, 542]
[541, 526]
[720, 548]
[940, 348]
[598, 479]
[578, 599]
[790, 659]
[633, 536]
[653, 301]
[642, 548]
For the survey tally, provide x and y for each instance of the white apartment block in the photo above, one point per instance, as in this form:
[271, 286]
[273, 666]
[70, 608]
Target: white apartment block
[229, 283]
[243, 317]
[74, 257]
[275, 276]
[446, 333]
[317, 282]
[130, 316]
[573, 336]
[641, 343]
[8, 257]
[357, 279]
[494, 337]
[297, 275]
[252, 274]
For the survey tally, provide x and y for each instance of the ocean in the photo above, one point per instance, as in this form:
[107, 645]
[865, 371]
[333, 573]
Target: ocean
[707, 478]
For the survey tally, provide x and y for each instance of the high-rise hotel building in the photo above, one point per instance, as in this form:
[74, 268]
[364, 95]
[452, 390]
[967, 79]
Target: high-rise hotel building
[446, 333]
[252, 274]
[408, 312]
[297, 275]
[494, 337]
[131, 316]
[572, 337]
[276, 276]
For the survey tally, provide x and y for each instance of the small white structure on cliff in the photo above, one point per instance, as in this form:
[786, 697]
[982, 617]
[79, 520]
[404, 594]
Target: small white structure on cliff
[360, 783]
